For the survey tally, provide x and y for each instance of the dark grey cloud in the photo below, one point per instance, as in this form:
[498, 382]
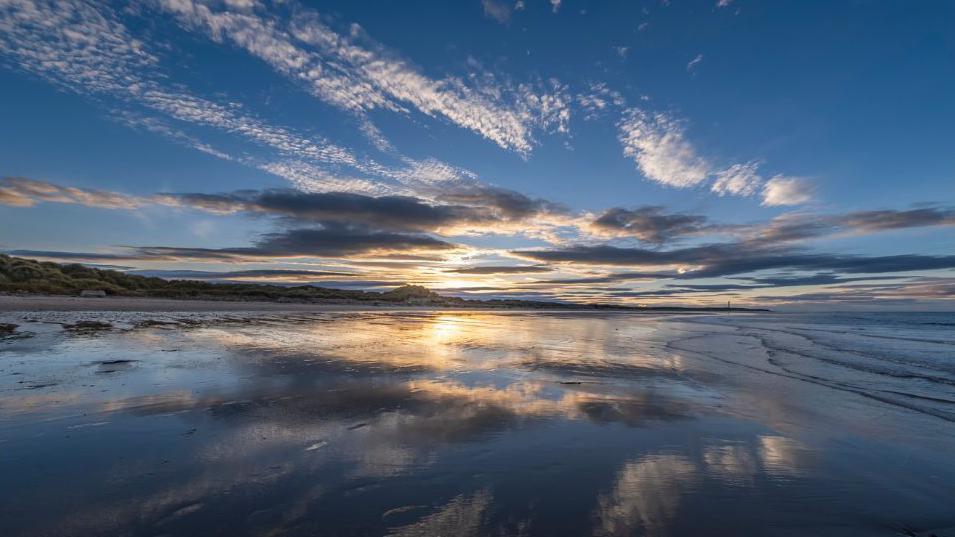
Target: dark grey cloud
[508, 204]
[824, 278]
[713, 287]
[608, 278]
[654, 225]
[889, 219]
[235, 274]
[386, 212]
[789, 228]
[649, 223]
[463, 206]
[648, 294]
[502, 269]
[613, 255]
[750, 262]
[737, 258]
[331, 240]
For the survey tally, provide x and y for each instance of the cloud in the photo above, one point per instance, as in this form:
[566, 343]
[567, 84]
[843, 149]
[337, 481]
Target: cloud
[889, 219]
[609, 278]
[735, 258]
[22, 192]
[355, 73]
[264, 274]
[738, 180]
[694, 63]
[598, 99]
[555, 5]
[782, 190]
[506, 269]
[657, 144]
[85, 48]
[468, 209]
[799, 227]
[509, 203]
[498, 11]
[385, 212]
[826, 278]
[69, 256]
[330, 240]
[459, 209]
[648, 223]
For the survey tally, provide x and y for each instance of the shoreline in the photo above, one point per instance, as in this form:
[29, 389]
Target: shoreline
[30, 303]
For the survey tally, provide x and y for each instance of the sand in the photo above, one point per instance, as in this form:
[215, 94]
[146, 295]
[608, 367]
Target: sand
[72, 303]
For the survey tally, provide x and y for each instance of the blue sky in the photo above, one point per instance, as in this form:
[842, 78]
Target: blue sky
[792, 154]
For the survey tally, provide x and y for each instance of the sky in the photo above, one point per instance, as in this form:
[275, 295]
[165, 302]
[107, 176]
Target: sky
[791, 154]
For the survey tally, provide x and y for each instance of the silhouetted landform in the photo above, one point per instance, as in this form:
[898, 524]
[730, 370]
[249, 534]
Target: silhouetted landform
[28, 276]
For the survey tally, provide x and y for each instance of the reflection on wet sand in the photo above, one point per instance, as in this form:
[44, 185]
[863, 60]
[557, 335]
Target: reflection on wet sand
[462, 516]
[411, 423]
[646, 495]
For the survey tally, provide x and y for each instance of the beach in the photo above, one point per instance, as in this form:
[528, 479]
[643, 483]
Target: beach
[309, 421]
[15, 303]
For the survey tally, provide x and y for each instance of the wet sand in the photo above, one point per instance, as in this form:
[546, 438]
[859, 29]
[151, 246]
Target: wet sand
[475, 423]
[115, 303]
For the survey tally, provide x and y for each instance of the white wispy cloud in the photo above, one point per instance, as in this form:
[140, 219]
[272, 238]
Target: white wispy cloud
[555, 5]
[375, 136]
[357, 74]
[738, 180]
[498, 11]
[656, 142]
[158, 126]
[781, 190]
[598, 98]
[23, 192]
[84, 48]
[694, 63]
[311, 178]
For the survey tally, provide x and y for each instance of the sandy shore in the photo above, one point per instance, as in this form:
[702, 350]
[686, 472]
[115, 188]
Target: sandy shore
[72, 303]
[28, 303]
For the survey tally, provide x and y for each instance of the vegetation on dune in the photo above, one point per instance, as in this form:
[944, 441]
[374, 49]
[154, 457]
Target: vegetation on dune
[18, 275]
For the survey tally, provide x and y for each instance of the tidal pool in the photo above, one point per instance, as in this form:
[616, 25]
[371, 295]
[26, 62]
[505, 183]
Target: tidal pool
[477, 423]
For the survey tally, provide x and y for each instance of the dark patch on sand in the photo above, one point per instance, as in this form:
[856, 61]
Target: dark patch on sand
[87, 326]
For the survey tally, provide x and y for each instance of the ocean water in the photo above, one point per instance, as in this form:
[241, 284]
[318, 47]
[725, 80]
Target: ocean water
[478, 423]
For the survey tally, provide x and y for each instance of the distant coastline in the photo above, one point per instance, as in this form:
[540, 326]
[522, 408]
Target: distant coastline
[27, 284]
[39, 302]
